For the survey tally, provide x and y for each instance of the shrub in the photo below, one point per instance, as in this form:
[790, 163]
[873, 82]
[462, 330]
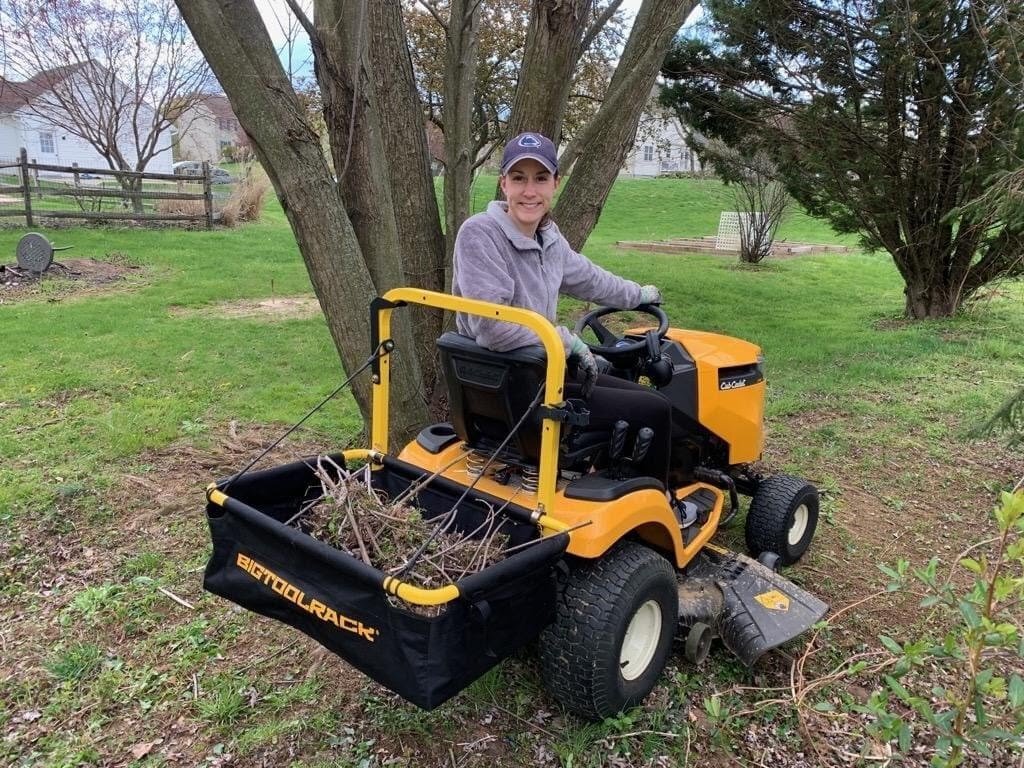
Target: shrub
[191, 207]
[245, 203]
[979, 708]
[246, 200]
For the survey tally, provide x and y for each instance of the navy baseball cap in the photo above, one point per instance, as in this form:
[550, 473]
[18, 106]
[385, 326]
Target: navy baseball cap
[530, 145]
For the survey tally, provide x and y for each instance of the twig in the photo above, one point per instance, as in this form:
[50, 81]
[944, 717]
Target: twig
[631, 734]
[417, 486]
[176, 599]
[536, 727]
[852, 756]
[356, 518]
[355, 529]
[277, 654]
[33, 427]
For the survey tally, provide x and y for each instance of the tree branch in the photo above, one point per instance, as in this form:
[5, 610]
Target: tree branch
[599, 23]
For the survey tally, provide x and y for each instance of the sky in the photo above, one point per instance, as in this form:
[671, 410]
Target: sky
[274, 10]
[277, 17]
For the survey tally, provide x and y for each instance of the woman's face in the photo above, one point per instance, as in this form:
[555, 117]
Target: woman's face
[529, 188]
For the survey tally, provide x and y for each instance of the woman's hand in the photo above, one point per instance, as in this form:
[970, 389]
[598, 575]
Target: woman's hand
[649, 294]
[586, 363]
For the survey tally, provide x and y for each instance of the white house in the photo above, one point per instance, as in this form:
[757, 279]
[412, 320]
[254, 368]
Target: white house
[660, 146]
[208, 130]
[30, 119]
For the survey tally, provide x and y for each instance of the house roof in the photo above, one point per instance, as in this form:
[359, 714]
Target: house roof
[219, 105]
[16, 95]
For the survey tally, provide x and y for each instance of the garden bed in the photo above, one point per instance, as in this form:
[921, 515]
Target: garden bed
[780, 248]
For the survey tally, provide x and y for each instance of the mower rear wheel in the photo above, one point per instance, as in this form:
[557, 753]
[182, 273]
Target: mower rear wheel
[612, 633]
[782, 518]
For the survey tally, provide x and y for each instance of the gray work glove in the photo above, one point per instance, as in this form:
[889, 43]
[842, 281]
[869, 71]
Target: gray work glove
[649, 294]
[586, 364]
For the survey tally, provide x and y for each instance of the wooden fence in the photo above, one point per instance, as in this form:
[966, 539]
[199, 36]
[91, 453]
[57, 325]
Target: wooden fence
[39, 191]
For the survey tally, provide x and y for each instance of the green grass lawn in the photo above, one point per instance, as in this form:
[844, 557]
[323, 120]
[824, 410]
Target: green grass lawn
[133, 384]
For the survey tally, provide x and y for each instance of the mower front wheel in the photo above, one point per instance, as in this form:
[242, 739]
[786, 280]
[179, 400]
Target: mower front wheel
[613, 631]
[782, 518]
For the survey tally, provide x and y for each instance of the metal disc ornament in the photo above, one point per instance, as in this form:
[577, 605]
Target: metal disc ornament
[35, 253]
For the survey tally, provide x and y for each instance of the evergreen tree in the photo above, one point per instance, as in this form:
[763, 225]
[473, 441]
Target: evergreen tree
[891, 119]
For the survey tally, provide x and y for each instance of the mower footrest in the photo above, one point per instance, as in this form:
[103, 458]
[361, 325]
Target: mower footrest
[758, 609]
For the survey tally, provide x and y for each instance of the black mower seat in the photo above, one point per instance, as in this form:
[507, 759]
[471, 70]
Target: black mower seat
[490, 391]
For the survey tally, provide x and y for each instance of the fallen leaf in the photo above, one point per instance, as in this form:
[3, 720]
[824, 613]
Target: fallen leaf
[31, 715]
[143, 748]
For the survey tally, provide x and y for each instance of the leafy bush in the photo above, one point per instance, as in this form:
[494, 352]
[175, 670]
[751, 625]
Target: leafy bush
[979, 710]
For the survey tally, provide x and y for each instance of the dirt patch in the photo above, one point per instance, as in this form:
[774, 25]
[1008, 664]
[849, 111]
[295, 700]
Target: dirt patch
[285, 308]
[63, 278]
[879, 506]
[781, 249]
[910, 497]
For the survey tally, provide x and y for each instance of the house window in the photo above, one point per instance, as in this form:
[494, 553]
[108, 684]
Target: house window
[648, 153]
[46, 143]
[227, 124]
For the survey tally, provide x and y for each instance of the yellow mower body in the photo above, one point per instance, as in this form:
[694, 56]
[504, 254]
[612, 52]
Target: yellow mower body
[733, 409]
[733, 412]
[610, 565]
[595, 527]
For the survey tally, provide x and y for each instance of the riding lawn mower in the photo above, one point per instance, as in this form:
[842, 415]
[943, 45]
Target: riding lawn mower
[605, 565]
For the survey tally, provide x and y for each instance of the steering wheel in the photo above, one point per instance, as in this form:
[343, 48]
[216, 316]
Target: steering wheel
[615, 348]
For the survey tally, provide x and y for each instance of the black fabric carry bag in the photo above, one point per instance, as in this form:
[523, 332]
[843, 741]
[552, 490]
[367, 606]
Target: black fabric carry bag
[275, 570]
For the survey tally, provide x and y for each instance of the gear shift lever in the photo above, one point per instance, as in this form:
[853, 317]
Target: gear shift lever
[617, 445]
[643, 444]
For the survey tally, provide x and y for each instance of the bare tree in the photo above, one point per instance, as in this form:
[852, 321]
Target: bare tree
[115, 73]
[290, 40]
[759, 192]
[374, 228]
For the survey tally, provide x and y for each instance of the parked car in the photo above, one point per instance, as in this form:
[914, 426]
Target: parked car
[195, 168]
[220, 176]
[188, 168]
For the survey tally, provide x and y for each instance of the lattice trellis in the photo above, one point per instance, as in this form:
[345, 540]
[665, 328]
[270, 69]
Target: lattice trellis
[728, 237]
[730, 224]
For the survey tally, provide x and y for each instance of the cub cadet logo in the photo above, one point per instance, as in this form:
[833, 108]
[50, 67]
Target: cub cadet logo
[733, 384]
[293, 594]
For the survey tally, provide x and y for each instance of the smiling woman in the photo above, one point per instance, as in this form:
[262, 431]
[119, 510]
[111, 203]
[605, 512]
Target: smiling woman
[529, 178]
[514, 254]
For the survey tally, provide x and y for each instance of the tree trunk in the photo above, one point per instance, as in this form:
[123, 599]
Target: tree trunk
[459, 86]
[609, 136]
[420, 239]
[552, 51]
[341, 63]
[135, 194]
[376, 227]
[236, 44]
[925, 300]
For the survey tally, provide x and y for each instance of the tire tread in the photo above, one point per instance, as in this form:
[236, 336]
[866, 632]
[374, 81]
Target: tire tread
[579, 634]
[766, 527]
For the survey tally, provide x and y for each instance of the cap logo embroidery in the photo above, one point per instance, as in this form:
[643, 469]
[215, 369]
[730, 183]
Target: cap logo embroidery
[529, 140]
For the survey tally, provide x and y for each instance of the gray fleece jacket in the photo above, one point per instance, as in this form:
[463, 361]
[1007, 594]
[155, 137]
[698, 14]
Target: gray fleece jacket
[496, 262]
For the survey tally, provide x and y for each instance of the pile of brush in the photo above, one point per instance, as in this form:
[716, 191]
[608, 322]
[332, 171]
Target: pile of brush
[391, 534]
